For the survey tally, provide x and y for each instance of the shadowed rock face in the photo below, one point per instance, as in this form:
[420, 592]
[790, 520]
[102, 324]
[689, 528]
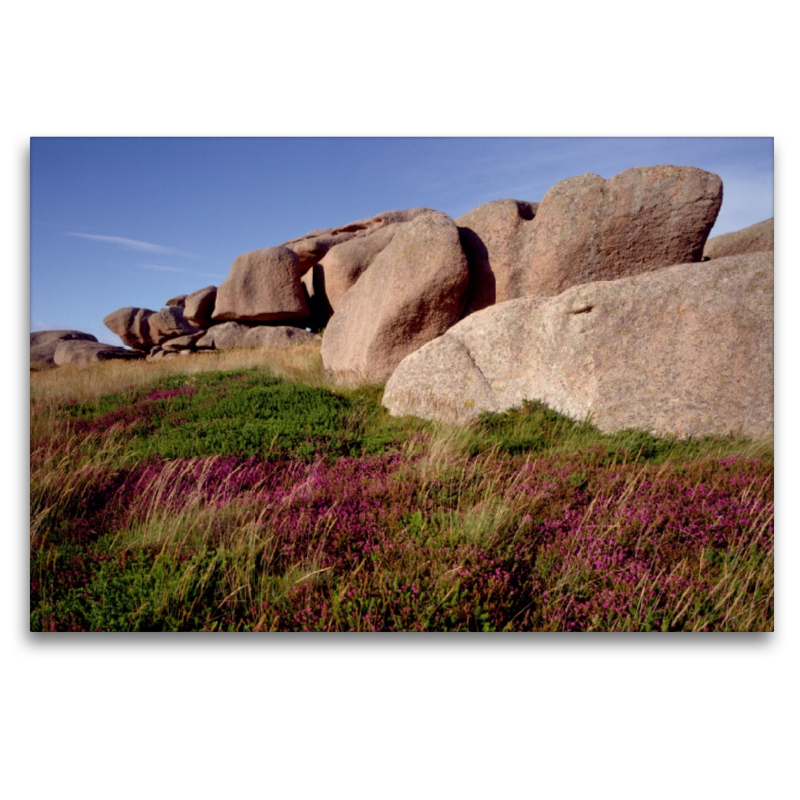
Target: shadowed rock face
[263, 285]
[756, 238]
[589, 229]
[493, 236]
[81, 352]
[412, 293]
[45, 343]
[686, 350]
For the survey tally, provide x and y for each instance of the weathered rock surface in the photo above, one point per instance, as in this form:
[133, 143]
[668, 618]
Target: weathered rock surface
[493, 236]
[589, 229]
[412, 293]
[132, 326]
[312, 247]
[199, 306]
[182, 342]
[44, 343]
[756, 238]
[344, 264]
[178, 301]
[169, 323]
[235, 334]
[686, 350]
[83, 353]
[262, 285]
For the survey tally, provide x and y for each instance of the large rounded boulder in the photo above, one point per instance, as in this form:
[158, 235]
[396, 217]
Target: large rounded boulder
[590, 229]
[262, 286]
[413, 292]
[686, 350]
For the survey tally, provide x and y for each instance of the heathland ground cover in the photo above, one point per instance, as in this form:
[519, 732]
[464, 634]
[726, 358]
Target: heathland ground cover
[244, 491]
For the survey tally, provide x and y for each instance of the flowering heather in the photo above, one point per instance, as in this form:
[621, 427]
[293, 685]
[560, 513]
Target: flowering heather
[531, 532]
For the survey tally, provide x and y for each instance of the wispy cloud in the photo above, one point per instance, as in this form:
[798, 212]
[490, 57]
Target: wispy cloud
[132, 244]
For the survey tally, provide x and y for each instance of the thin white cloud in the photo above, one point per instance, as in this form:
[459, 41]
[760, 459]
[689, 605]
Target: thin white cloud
[132, 244]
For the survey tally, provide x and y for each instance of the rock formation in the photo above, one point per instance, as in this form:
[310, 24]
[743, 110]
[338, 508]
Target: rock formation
[756, 238]
[45, 343]
[685, 350]
[235, 334]
[493, 236]
[263, 285]
[412, 293]
[199, 306]
[83, 353]
[590, 229]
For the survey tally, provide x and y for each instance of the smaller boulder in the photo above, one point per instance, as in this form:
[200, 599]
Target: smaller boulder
[199, 306]
[177, 301]
[758, 238]
[45, 343]
[132, 325]
[233, 334]
[83, 353]
[170, 323]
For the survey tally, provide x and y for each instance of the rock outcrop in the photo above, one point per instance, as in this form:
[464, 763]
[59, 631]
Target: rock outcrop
[263, 285]
[493, 237]
[412, 293]
[235, 334]
[589, 229]
[756, 238]
[45, 343]
[686, 350]
[83, 353]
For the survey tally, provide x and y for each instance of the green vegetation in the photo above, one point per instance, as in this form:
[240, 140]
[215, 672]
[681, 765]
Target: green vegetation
[257, 497]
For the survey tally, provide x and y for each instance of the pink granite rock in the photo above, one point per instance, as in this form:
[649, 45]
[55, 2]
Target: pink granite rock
[412, 293]
[493, 236]
[262, 285]
[199, 306]
[756, 238]
[686, 350]
[589, 229]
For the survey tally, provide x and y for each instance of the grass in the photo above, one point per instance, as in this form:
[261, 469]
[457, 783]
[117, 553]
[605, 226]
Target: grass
[245, 491]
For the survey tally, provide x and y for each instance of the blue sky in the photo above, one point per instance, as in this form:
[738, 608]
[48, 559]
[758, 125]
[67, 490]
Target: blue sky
[133, 221]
